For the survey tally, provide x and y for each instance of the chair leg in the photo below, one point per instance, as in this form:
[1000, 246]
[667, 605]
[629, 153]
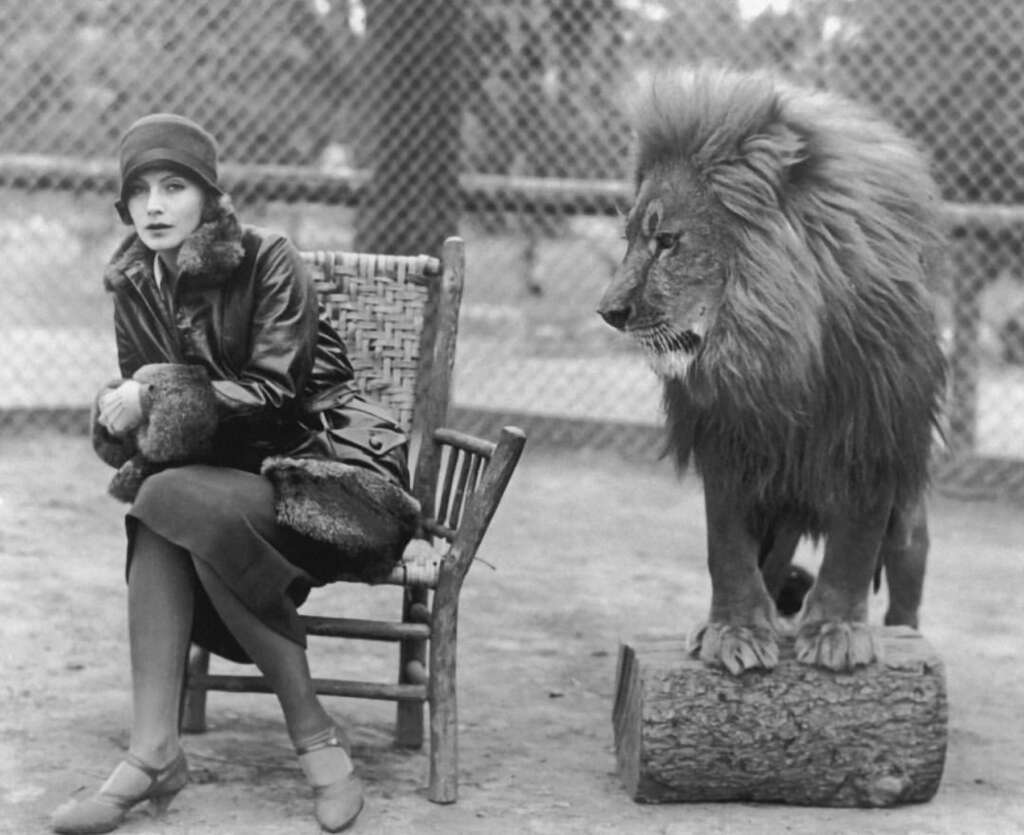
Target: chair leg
[441, 693]
[193, 702]
[409, 715]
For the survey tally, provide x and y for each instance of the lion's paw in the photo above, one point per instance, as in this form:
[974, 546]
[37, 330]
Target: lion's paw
[837, 645]
[737, 648]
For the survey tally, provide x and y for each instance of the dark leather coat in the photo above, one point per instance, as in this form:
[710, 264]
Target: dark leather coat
[244, 307]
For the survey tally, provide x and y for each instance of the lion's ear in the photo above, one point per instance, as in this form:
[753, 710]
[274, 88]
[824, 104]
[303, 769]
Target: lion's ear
[795, 154]
[780, 153]
[792, 149]
[771, 161]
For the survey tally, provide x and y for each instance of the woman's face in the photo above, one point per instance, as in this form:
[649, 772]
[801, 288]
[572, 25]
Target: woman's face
[166, 207]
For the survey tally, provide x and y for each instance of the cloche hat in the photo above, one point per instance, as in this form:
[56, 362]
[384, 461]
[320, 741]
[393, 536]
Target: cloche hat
[170, 139]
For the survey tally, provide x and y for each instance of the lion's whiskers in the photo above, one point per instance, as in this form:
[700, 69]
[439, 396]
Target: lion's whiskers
[669, 353]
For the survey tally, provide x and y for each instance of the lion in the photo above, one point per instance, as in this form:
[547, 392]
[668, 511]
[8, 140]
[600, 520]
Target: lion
[776, 275]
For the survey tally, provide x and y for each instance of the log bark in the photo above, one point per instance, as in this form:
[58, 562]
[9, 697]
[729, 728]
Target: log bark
[798, 734]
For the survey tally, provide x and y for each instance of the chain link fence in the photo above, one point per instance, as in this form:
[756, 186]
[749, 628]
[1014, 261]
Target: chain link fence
[386, 125]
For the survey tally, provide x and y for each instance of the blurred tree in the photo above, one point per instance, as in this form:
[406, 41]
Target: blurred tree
[538, 82]
[545, 81]
[407, 132]
[693, 32]
[958, 89]
[544, 100]
[268, 81]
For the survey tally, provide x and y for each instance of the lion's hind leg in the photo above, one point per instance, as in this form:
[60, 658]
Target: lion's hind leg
[833, 631]
[787, 584]
[904, 555]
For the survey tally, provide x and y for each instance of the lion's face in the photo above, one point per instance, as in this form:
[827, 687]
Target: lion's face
[670, 285]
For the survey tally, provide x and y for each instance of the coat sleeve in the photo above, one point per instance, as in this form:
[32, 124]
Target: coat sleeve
[129, 359]
[282, 339]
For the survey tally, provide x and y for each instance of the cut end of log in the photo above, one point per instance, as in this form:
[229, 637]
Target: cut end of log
[685, 732]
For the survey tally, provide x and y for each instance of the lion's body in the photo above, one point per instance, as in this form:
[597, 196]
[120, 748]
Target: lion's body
[776, 273]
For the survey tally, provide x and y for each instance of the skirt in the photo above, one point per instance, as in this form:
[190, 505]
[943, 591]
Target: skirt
[224, 518]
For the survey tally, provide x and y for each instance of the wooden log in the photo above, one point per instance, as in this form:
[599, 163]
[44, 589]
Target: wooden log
[797, 734]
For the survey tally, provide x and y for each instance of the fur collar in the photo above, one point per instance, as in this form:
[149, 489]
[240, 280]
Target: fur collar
[206, 259]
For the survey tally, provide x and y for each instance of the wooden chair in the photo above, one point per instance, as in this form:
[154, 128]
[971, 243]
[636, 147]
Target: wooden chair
[399, 318]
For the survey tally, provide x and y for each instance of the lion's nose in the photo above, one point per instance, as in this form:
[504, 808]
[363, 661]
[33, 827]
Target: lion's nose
[616, 316]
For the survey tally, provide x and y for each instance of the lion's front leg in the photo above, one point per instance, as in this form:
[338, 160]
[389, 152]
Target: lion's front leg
[741, 632]
[833, 631]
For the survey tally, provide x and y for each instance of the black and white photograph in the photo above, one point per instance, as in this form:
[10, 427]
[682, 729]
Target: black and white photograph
[600, 417]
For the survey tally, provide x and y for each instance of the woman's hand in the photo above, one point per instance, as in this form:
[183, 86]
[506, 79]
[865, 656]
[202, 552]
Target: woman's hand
[120, 409]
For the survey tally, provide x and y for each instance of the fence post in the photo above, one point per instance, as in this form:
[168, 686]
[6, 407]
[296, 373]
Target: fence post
[965, 368]
[413, 139]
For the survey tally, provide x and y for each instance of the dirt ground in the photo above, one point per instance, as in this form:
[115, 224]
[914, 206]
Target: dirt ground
[587, 551]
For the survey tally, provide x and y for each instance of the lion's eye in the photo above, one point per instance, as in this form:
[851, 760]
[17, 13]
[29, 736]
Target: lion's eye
[666, 240]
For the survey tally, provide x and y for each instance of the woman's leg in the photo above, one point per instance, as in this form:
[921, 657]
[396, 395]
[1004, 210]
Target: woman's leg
[161, 597]
[282, 662]
[337, 792]
[160, 603]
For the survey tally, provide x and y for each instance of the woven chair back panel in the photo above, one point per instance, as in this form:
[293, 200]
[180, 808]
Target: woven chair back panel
[380, 319]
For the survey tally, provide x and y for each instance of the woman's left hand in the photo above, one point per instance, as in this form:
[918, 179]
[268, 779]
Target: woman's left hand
[120, 409]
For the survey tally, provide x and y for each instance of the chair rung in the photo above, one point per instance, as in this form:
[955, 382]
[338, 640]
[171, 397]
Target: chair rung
[325, 687]
[369, 630]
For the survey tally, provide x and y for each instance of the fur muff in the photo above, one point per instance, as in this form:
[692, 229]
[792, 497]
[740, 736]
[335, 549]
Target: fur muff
[368, 518]
[180, 412]
[179, 421]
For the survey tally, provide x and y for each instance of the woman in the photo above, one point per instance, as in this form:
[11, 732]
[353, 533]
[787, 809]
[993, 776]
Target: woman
[232, 312]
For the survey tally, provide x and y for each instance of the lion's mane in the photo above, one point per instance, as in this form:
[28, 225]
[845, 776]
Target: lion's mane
[821, 378]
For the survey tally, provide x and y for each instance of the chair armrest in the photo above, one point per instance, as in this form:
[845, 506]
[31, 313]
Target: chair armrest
[483, 504]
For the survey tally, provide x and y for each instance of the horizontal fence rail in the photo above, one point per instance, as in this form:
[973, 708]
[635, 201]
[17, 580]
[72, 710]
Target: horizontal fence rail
[477, 192]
